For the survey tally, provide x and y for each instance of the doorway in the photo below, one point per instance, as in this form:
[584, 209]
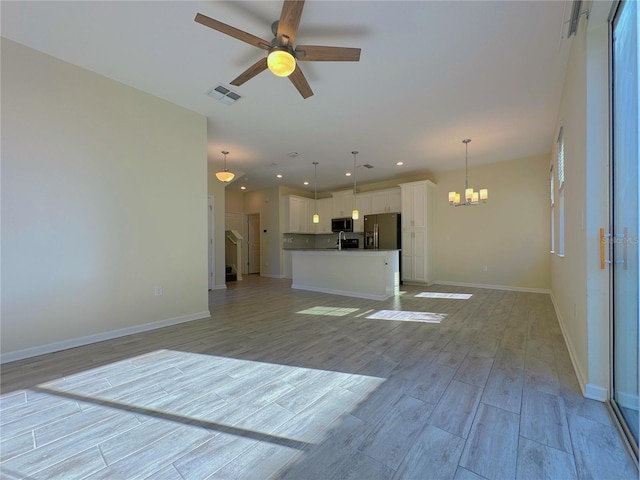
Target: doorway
[253, 243]
[624, 220]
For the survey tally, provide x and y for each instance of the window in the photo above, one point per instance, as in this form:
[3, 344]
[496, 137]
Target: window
[561, 177]
[552, 199]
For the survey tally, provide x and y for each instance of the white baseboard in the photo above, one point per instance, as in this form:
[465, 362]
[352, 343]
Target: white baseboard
[628, 400]
[99, 337]
[221, 286]
[595, 392]
[271, 275]
[587, 389]
[493, 287]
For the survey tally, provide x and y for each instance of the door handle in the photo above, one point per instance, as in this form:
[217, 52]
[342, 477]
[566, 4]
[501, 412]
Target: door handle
[603, 243]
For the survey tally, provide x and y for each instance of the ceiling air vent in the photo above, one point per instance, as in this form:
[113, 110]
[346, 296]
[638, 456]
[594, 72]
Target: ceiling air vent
[366, 165]
[224, 94]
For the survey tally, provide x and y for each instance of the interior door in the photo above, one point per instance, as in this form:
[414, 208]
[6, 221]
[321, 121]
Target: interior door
[624, 215]
[253, 243]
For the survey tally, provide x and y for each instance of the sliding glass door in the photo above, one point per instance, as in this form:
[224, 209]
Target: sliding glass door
[624, 215]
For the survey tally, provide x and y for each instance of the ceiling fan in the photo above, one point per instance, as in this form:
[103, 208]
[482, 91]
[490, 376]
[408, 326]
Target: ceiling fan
[282, 56]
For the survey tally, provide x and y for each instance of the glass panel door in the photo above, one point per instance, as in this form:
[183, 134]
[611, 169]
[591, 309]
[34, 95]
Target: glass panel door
[624, 190]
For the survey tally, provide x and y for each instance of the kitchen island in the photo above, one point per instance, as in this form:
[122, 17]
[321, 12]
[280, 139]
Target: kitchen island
[372, 274]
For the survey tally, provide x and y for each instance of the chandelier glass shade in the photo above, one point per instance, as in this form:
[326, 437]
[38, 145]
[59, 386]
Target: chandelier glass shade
[281, 62]
[471, 197]
[225, 175]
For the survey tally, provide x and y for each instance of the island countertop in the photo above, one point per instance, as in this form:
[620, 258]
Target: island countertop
[363, 273]
[346, 250]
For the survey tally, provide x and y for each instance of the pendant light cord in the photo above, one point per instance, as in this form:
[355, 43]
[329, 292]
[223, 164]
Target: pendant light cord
[355, 152]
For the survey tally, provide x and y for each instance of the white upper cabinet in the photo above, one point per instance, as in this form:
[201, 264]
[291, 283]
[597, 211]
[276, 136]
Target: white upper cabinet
[324, 209]
[363, 204]
[342, 203]
[386, 201]
[298, 214]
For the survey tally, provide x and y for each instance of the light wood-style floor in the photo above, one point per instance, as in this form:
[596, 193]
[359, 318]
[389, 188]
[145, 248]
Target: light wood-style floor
[287, 384]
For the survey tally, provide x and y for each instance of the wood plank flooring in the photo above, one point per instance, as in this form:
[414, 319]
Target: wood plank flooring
[288, 384]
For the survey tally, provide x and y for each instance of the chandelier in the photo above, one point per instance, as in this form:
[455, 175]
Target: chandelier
[471, 197]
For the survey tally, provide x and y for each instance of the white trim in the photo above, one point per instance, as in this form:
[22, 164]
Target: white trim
[493, 287]
[628, 400]
[222, 286]
[595, 392]
[578, 371]
[98, 337]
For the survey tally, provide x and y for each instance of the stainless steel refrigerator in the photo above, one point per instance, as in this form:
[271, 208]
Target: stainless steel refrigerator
[382, 231]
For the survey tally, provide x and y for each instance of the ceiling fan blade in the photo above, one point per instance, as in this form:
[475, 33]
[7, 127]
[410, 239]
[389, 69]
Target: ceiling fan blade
[298, 80]
[289, 21]
[314, 53]
[258, 67]
[233, 32]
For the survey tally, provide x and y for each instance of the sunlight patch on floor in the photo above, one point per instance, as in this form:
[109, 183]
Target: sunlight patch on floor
[329, 311]
[223, 395]
[403, 316]
[452, 296]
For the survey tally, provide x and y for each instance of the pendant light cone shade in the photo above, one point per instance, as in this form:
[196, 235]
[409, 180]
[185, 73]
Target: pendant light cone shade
[225, 175]
[281, 62]
[354, 214]
[316, 217]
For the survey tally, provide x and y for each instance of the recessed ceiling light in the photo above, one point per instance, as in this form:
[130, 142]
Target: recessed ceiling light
[399, 163]
[348, 174]
[243, 188]
[306, 183]
[279, 175]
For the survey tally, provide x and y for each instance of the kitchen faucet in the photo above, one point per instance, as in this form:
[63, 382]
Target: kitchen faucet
[341, 234]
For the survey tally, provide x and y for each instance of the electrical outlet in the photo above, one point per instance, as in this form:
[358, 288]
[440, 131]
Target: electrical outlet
[485, 268]
[158, 291]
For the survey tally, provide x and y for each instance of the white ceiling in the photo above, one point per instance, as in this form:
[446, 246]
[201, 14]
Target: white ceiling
[430, 74]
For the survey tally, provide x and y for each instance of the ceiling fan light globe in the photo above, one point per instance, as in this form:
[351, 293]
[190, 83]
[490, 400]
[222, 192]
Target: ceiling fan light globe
[281, 62]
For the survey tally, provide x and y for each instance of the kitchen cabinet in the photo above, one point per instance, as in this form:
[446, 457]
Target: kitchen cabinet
[324, 208]
[363, 204]
[417, 233]
[342, 203]
[386, 201]
[297, 214]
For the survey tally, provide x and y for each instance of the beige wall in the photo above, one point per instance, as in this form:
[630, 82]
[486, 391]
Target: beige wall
[579, 288]
[103, 199]
[509, 235]
[234, 201]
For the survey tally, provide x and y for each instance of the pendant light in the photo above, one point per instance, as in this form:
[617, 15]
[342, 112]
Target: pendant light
[316, 217]
[471, 197]
[354, 214]
[225, 175]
